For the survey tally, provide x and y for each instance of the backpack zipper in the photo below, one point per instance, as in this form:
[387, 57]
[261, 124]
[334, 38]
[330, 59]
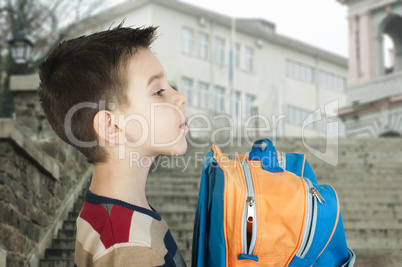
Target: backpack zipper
[311, 218]
[249, 214]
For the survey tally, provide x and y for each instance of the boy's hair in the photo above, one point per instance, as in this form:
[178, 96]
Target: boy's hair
[90, 68]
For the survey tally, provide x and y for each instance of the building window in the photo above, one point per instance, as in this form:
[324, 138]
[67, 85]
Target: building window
[249, 59]
[332, 81]
[219, 99]
[250, 104]
[187, 41]
[236, 104]
[299, 71]
[298, 116]
[187, 86]
[237, 55]
[203, 99]
[219, 49]
[203, 45]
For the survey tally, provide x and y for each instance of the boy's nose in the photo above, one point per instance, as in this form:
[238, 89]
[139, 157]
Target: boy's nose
[180, 99]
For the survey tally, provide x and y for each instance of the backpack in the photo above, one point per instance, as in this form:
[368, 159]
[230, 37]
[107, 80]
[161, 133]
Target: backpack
[266, 209]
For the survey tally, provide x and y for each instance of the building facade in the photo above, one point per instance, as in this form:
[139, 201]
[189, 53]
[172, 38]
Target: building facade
[374, 92]
[239, 76]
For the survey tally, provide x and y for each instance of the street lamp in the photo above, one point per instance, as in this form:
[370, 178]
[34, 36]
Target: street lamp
[20, 43]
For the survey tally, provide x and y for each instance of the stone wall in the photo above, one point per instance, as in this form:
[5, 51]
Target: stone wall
[37, 179]
[28, 112]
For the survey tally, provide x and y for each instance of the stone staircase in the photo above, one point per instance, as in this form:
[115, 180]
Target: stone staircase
[61, 254]
[368, 179]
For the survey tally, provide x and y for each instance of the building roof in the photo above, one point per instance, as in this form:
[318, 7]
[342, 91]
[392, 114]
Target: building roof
[257, 27]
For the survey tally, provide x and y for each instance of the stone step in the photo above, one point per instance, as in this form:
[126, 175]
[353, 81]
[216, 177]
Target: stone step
[186, 253]
[177, 192]
[63, 243]
[353, 170]
[54, 253]
[175, 182]
[333, 176]
[73, 215]
[374, 238]
[368, 197]
[367, 187]
[78, 205]
[374, 211]
[372, 224]
[173, 195]
[183, 243]
[368, 214]
[378, 257]
[159, 204]
[388, 262]
[355, 205]
[69, 225]
[177, 189]
[367, 203]
[178, 215]
[182, 232]
[65, 262]
[66, 233]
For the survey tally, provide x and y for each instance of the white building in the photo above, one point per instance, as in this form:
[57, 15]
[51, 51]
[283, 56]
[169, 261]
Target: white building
[273, 75]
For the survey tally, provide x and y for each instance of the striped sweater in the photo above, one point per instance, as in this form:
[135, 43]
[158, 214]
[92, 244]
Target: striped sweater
[111, 232]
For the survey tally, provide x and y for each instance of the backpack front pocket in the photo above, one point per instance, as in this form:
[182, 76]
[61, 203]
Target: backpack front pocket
[321, 220]
[249, 219]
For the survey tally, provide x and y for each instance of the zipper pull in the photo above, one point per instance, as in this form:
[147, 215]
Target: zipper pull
[250, 210]
[317, 194]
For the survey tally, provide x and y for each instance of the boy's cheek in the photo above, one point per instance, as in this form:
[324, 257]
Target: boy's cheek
[170, 114]
[135, 130]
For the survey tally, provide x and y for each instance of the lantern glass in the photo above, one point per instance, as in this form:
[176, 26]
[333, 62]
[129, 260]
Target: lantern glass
[20, 51]
[21, 47]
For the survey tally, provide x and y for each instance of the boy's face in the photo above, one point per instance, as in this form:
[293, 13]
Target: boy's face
[156, 114]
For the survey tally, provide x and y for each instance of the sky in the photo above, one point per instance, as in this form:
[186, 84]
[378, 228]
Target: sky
[321, 23]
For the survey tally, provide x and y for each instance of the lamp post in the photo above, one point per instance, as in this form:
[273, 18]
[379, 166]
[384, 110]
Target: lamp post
[20, 43]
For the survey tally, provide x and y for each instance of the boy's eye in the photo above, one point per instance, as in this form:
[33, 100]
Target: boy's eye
[159, 92]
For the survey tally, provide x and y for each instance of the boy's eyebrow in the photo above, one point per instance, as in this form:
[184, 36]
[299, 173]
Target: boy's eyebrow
[155, 77]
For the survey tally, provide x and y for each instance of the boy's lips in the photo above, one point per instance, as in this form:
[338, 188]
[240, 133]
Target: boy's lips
[183, 125]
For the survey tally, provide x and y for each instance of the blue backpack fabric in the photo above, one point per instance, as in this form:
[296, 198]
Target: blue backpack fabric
[323, 243]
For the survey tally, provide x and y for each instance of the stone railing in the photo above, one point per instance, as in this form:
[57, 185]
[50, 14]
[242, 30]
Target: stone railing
[40, 178]
[375, 89]
[36, 193]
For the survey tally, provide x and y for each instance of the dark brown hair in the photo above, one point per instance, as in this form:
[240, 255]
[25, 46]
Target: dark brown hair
[90, 69]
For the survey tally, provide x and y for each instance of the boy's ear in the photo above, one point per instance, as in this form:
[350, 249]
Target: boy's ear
[107, 129]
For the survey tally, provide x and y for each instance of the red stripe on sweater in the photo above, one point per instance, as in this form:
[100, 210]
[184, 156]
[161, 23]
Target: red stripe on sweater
[120, 219]
[98, 218]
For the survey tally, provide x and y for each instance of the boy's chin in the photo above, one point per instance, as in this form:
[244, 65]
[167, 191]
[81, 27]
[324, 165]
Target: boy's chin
[178, 149]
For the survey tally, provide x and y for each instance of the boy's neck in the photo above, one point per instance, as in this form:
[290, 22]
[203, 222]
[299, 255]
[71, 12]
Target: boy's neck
[117, 179]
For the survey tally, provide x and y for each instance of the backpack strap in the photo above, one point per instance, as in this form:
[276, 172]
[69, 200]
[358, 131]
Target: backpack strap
[267, 156]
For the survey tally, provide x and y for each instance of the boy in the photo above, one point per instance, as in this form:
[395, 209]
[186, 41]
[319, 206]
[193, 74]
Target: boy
[107, 95]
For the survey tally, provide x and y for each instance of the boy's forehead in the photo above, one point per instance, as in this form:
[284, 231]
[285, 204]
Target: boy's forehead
[145, 66]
